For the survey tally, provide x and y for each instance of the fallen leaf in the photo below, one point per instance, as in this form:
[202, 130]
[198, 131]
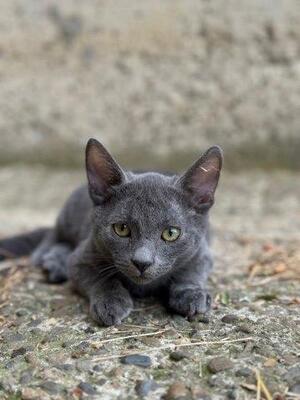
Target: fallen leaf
[270, 362]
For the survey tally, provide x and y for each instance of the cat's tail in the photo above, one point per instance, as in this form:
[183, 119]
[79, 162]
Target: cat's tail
[21, 245]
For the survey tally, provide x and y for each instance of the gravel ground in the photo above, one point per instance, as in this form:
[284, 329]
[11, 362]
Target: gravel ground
[50, 349]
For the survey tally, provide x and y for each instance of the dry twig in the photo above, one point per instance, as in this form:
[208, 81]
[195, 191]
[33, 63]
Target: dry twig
[173, 345]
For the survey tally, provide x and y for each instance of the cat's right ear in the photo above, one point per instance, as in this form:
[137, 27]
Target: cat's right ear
[102, 170]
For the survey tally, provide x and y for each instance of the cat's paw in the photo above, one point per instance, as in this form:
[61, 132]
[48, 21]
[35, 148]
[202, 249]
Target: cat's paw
[54, 263]
[110, 310]
[189, 302]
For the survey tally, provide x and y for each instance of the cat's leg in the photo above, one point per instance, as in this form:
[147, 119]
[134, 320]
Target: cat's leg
[45, 245]
[51, 255]
[54, 262]
[110, 301]
[188, 295]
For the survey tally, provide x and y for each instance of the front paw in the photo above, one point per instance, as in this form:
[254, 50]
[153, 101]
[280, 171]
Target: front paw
[189, 302]
[110, 310]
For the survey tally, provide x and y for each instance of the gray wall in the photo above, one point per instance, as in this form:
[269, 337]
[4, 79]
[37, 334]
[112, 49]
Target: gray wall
[156, 81]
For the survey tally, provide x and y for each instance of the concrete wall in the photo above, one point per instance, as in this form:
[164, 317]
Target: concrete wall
[157, 81]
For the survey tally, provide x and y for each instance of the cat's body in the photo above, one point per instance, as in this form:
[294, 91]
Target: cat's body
[131, 235]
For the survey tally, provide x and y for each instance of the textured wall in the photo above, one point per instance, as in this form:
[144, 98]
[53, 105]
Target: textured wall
[156, 81]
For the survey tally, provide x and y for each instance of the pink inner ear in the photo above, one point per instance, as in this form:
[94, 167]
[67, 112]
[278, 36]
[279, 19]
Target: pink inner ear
[101, 172]
[205, 179]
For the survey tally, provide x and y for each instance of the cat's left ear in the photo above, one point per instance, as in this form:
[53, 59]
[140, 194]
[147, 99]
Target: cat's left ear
[200, 181]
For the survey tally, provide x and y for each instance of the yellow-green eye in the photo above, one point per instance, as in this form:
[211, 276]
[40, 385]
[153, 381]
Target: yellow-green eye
[122, 230]
[170, 234]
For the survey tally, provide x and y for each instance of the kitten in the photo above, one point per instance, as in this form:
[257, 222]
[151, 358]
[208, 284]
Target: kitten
[128, 235]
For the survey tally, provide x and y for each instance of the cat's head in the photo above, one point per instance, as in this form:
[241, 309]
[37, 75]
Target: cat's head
[149, 222]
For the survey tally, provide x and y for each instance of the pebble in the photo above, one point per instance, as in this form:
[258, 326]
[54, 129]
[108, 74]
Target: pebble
[246, 328]
[177, 390]
[32, 394]
[199, 394]
[51, 387]
[219, 364]
[30, 358]
[204, 318]
[295, 388]
[87, 388]
[178, 355]
[137, 359]
[64, 367]
[21, 312]
[244, 372]
[230, 319]
[18, 352]
[142, 388]
[292, 376]
[25, 378]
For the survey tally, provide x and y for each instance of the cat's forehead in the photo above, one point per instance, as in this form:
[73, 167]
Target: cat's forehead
[151, 195]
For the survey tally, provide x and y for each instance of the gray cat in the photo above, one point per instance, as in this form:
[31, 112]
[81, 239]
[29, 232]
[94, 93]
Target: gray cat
[128, 235]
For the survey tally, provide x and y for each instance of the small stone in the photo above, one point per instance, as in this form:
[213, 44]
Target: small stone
[30, 358]
[292, 376]
[21, 312]
[244, 372]
[32, 394]
[177, 355]
[51, 387]
[89, 329]
[116, 372]
[25, 377]
[219, 364]
[199, 394]
[18, 352]
[143, 388]
[230, 319]
[137, 359]
[204, 318]
[231, 394]
[295, 388]
[87, 388]
[246, 328]
[64, 367]
[176, 391]
[101, 382]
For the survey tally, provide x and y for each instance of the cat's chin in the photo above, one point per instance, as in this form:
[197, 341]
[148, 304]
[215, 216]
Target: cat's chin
[140, 280]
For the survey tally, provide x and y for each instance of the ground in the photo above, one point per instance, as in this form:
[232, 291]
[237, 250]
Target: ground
[250, 343]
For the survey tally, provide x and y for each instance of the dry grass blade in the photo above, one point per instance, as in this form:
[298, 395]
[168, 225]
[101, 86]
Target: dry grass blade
[173, 345]
[261, 387]
[98, 344]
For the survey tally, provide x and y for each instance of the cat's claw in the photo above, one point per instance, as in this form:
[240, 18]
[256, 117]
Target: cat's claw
[189, 302]
[111, 310]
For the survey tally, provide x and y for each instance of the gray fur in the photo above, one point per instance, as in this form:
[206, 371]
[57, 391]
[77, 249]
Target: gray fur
[110, 270]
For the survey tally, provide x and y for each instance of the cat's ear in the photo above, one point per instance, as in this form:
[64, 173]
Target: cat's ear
[200, 181]
[103, 172]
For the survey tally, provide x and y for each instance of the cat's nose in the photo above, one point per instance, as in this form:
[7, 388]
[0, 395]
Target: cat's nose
[142, 259]
[141, 265]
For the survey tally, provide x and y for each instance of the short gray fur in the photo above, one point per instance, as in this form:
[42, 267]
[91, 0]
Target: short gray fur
[84, 247]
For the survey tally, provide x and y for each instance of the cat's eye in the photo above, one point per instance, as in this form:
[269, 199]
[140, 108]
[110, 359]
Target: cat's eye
[121, 229]
[170, 234]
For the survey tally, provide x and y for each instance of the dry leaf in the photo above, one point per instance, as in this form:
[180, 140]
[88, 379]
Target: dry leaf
[270, 362]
